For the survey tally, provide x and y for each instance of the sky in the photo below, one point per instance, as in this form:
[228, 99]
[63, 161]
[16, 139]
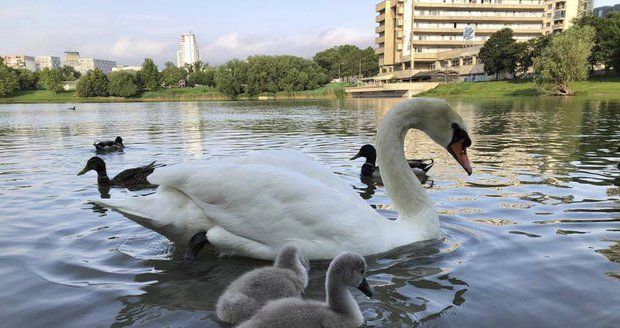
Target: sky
[130, 30]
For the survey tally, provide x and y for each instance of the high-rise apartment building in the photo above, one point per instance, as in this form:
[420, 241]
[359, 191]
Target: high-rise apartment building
[422, 35]
[47, 61]
[83, 65]
[20, 61]
[188, 50]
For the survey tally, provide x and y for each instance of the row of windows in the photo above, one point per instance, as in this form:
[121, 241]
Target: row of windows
[478, 26]
[510, 2]
[456, 38]
[478, 13]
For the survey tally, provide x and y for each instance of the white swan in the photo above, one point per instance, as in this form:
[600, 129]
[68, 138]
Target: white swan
[253, 205]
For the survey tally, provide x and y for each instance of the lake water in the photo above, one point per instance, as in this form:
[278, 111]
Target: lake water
[531, 239]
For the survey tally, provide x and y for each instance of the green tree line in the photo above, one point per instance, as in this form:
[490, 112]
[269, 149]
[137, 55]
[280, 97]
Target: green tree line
[252, 76]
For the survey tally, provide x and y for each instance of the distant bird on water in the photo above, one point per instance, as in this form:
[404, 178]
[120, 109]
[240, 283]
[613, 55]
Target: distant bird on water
[107, 146]
[72, 108]
[420, 167]
[132, 179]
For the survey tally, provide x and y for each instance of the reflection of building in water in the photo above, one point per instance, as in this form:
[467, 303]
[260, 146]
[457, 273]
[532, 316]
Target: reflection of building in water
[190, 116]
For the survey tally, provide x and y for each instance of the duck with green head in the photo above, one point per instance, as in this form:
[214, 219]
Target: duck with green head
[135, 178]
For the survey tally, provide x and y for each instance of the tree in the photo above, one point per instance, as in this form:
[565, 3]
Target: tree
[197, 66]
[149, 75]
[171, 74]
[499, 53]
[283, 73]
[606, 49]
[205, 77]
[69, 73]
[231, 78]
[9, 81]
[92, 84]
[28, 80]
[123, 84]
[565, 60]
[52, 79]
[527, 51]
[348, 60]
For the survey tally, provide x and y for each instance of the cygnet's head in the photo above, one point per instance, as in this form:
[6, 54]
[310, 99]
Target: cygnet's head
[290, 257]
[349, 269]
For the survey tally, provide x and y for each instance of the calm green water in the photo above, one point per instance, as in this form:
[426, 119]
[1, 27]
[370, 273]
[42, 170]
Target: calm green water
[532, 238]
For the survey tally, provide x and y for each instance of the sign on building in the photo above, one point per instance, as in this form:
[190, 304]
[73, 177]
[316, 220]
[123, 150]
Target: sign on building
[469, 33]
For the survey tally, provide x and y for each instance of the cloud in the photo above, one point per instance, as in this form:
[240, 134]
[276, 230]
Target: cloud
[126, 48]
[235, 45]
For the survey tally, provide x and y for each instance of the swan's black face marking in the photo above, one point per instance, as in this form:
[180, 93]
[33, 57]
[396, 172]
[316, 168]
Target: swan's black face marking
[365, 288]
[458, 147]
[368, 152]
[94, 163]
[195, 245]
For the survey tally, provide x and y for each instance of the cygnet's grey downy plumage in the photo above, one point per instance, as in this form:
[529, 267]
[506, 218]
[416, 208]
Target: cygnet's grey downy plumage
[288, 277]
[339, 310]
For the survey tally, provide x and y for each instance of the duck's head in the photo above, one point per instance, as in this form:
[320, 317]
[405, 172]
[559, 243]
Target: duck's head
[94, 163]
[350, 269]
[367, 151]
[439, 121]
[118, 140]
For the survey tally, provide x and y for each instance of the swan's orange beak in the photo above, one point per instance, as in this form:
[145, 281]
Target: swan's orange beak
[459, 152]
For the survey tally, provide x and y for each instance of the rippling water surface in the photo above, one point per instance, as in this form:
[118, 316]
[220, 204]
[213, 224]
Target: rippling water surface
[532, 238]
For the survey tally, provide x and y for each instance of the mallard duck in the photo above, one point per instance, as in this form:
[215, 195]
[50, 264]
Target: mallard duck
[420, 167]
[339, 309]
[131, 178]
[253, 205]
[109, 145]
[72, 108]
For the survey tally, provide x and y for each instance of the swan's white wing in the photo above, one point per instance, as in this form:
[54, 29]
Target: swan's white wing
[275, 198]
[168, 211]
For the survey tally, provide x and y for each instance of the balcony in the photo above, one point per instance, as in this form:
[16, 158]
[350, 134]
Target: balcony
[400, 22]
[480, 6]
[559, 14]
[380, 40]
[483, 31]
[380, 51]
[380, 6]
[380, 18]
[468, 19]
[446, 42]
[380, 29]
[399, 33]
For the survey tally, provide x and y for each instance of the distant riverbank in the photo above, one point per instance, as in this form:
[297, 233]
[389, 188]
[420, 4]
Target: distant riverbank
[601, 85]
[330, 91]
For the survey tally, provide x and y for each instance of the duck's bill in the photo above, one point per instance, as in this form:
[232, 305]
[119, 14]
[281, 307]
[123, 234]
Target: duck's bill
[459, 152]
[365, 288]
[84, 170]
[355, 157]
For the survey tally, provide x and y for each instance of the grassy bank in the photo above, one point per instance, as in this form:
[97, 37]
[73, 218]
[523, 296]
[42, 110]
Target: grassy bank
[330, 91]
[601, 85]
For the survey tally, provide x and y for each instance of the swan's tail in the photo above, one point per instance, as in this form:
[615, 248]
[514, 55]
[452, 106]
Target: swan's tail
[236, 307]
[168, 211]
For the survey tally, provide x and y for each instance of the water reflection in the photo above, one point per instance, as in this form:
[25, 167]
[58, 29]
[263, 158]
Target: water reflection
[533, 234]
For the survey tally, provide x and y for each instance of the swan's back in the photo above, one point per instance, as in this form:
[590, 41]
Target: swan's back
[294, 313]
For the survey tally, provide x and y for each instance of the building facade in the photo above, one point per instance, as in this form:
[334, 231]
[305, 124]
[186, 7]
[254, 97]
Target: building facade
[20, 61]
[423, 35]
[602, 12]
[83, 65]
[126, 68]
[188, 50]
[47, 62]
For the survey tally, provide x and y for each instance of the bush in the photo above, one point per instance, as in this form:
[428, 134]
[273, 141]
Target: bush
[231, 78]
[123, 84]
[9, 81]
[27, 80]
[92, 84]
[205, 77]
[51, 79]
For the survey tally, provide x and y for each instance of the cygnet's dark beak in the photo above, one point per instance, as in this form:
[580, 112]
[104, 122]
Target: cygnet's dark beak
[365, 288]
[195, 245]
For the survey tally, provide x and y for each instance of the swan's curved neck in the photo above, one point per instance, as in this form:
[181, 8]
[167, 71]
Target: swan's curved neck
[340, 300]
[403, 187]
